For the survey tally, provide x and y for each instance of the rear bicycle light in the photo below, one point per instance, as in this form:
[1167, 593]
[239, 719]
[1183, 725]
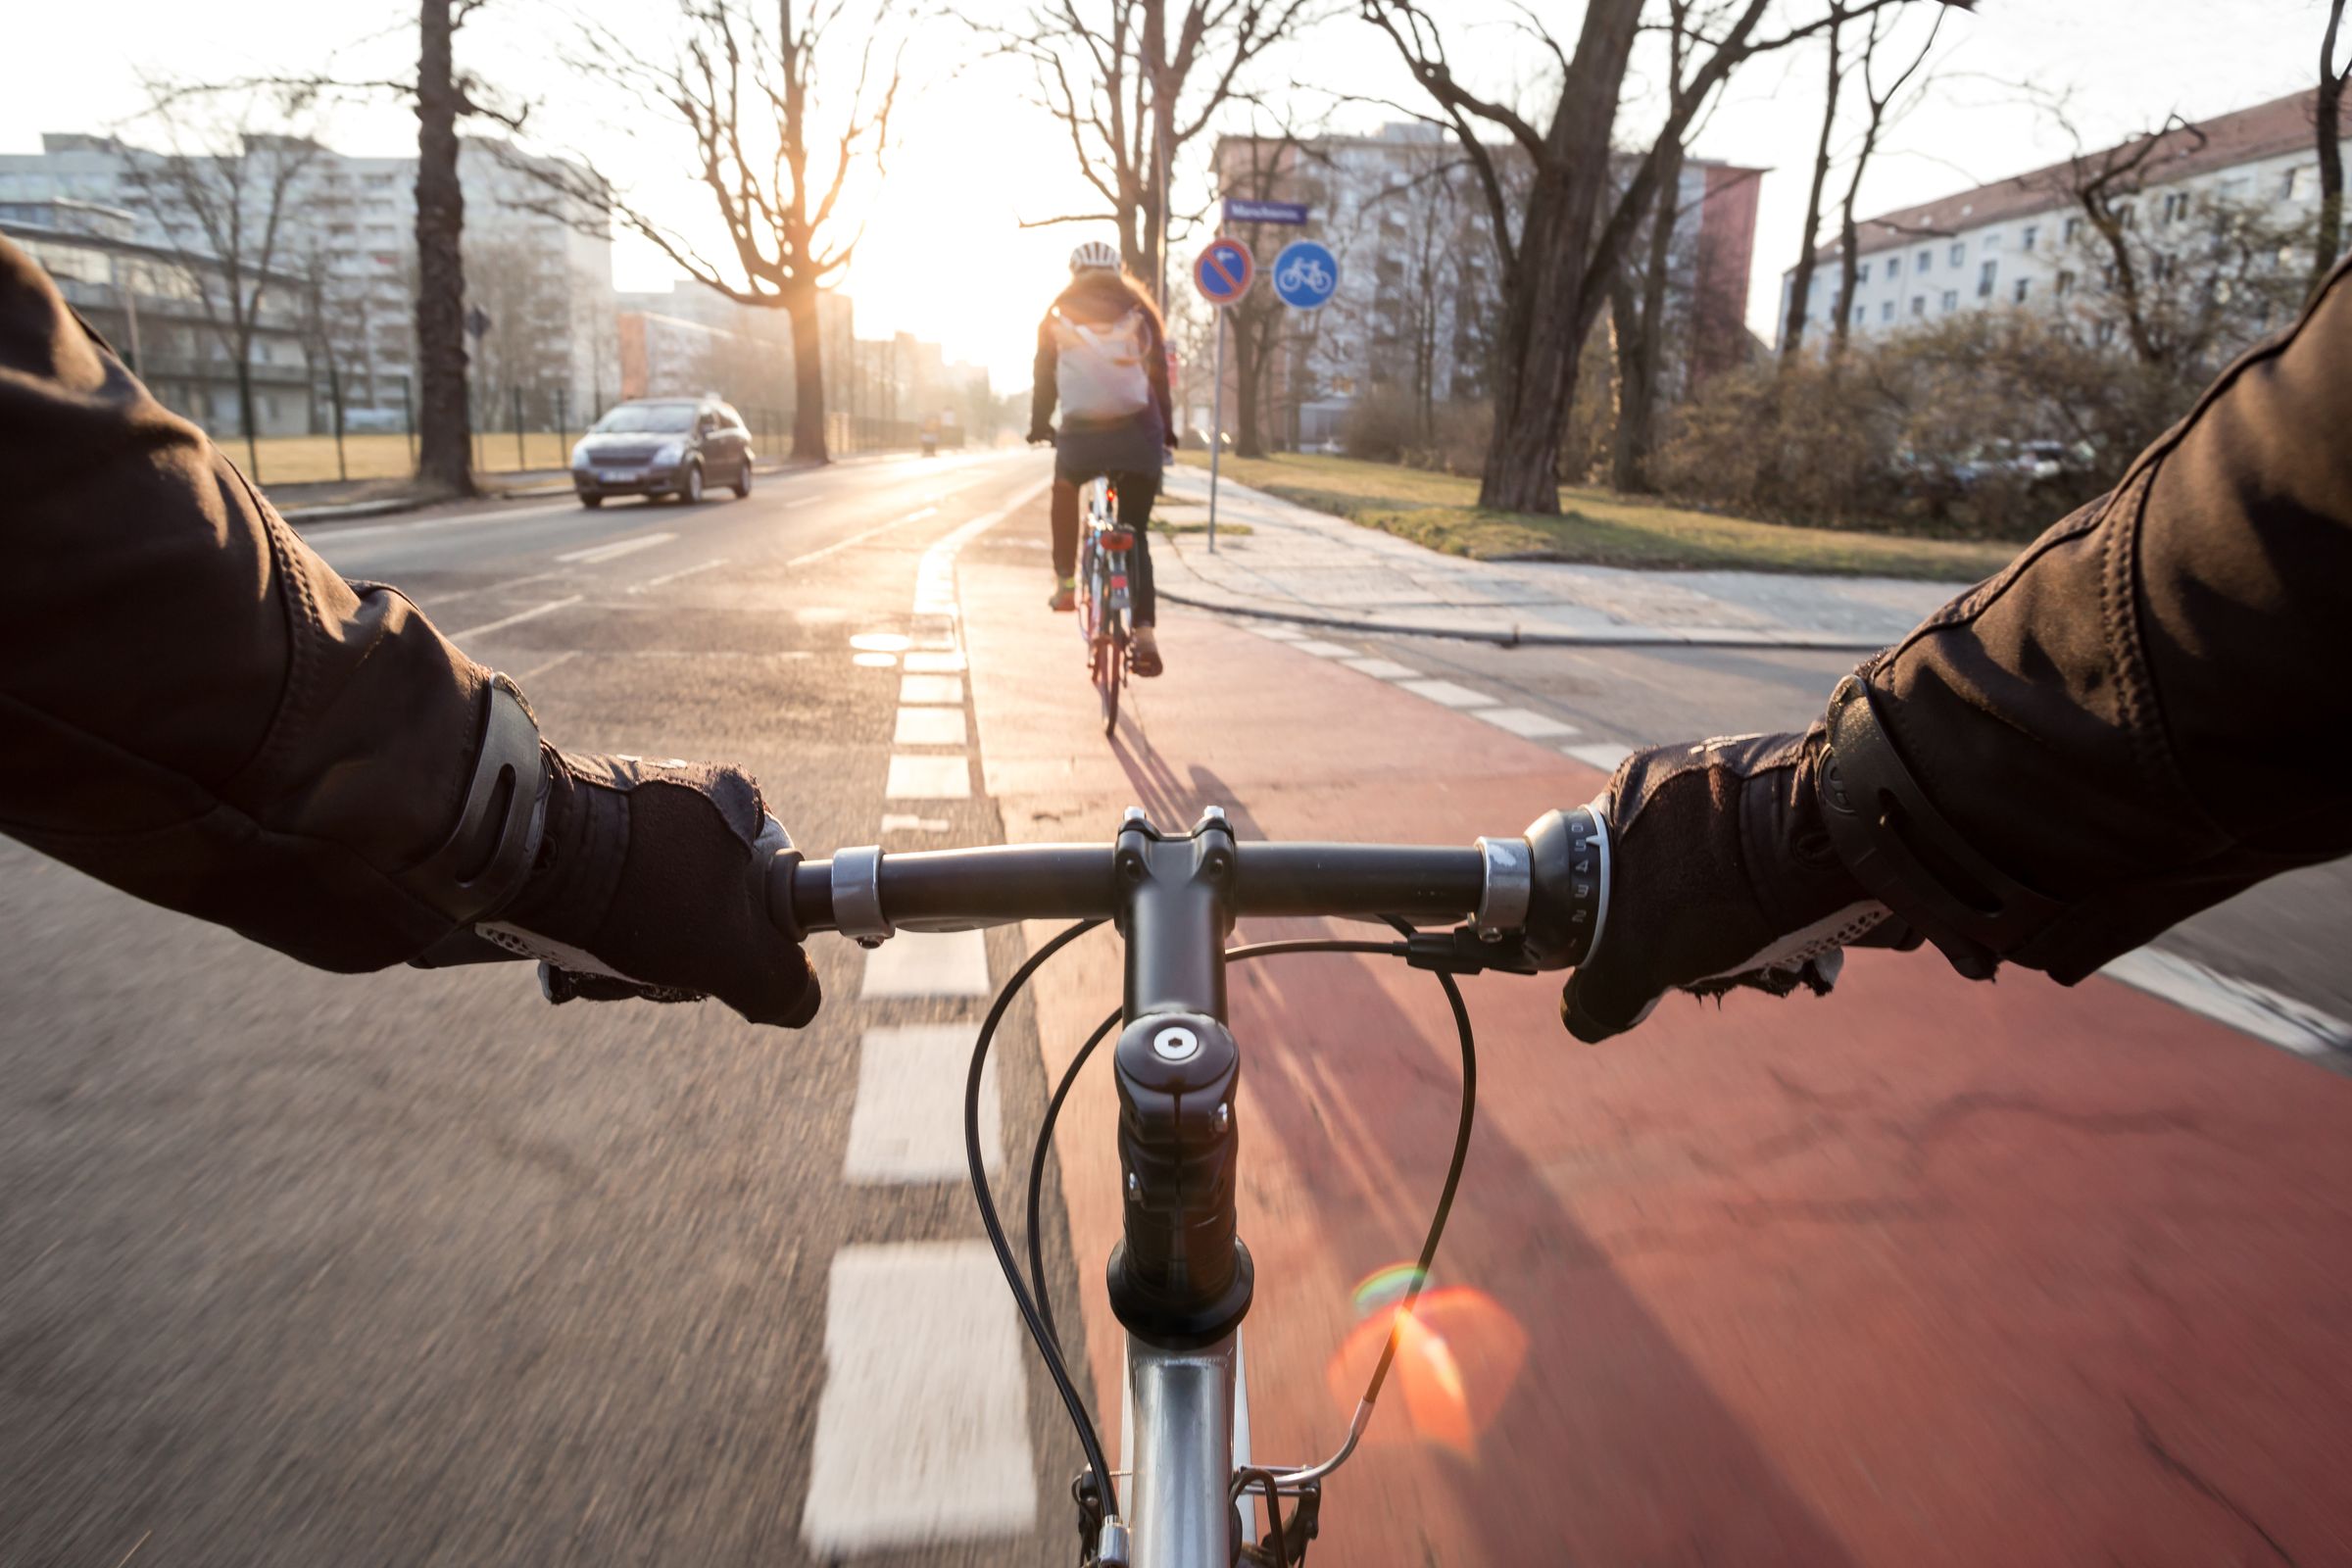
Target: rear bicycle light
[1118, 539]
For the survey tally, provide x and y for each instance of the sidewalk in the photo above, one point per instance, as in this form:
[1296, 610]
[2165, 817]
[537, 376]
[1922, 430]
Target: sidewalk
[1301, 565]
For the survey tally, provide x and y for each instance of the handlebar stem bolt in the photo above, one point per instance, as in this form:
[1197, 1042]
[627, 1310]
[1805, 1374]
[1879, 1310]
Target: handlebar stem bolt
[1176, 1045]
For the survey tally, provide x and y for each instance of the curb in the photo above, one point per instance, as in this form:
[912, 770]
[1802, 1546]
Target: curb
[354, 510]
[1800, 642]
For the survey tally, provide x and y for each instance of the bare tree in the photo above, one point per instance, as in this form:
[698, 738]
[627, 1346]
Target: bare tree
[219, 192]
[1800, 291]
[771, 153]
[1133, 82]
[2328, 128]
[1559, 252]
[1882, 107]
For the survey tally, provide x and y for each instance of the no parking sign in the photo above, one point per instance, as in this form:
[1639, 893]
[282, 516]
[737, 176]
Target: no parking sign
[1224, 272]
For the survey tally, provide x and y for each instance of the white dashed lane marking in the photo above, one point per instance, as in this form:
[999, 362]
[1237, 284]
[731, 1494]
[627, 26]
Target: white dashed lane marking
[929, 726]
[1325, 650]
[616, 549]
[1524, 721]
[1446, 692]
[929, 963]
[1382, 669]
[1603, 755]
[515, 619]
[941, 690]
[922, 1435]
[917, 777]
[907, 1124]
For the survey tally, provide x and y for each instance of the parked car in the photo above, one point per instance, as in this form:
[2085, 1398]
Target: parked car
[662, 447]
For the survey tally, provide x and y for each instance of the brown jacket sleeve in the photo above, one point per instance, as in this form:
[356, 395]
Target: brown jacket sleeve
[193, 706]
[2146, 712]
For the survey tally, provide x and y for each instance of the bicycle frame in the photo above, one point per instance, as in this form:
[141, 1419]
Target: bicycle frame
[1180, 1279]
[1104, 597]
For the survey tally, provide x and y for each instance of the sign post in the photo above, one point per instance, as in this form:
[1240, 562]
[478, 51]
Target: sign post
[1222, 275]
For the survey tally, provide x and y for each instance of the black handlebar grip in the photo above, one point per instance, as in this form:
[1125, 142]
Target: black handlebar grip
[1181, 1277]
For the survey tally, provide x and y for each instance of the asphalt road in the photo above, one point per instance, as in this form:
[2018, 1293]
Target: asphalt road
[414, 1269]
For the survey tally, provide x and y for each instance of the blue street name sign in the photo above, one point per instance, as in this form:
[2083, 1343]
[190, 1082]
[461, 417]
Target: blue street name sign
[1241, 210]
[1305, 274]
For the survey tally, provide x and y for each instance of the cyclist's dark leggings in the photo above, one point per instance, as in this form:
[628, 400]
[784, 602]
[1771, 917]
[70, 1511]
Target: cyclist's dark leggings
[1137, 492]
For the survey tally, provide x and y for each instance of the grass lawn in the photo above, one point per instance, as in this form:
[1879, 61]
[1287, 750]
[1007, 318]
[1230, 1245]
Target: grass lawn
[1598, 527]
[306, 458]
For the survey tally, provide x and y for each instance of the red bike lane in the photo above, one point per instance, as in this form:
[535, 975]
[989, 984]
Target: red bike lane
[1925, 1271]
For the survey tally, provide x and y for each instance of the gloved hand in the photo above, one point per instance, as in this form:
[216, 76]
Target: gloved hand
[651, 880]
[1040, 435]
[1720, 874]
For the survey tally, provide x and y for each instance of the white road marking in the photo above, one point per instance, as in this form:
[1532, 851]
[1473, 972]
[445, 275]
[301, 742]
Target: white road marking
[876, 660]
[922, 1432]
[920, 663]
[860, 537]
[879, 642]
[915, 777]
[328, 533]
[2257, 1010]
[798, 501]
[929, 726]
[515, 619]
[1382, 669]
[1603, 755]
[1276, 630]
[1327, 649]
[931, 689]
[908, 1122]
[535, 670]
[907, 822]
[1525, 721]
[616, 549]
[439, 599]
[682, 571]
[1447, 692]
[928, 963]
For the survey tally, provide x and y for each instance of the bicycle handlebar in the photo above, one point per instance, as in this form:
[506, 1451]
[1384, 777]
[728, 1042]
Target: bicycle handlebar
[865, 891]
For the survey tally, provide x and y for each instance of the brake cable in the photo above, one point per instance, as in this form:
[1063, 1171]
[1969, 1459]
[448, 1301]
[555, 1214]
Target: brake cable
[1032, 1297]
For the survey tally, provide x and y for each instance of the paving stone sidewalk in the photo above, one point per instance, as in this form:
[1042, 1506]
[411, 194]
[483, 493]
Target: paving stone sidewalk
[1298, 563]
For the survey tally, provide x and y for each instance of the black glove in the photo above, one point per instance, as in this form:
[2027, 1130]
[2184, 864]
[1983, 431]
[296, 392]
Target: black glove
[1720, 874]
[652, 881]
[1040, 435]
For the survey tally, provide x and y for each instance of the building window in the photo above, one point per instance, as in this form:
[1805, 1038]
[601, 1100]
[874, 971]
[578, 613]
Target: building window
[1919, 305]
[1992, 242]
[1861, 312]
[2074, 226]
[2023, 285]
[2026, 241]
[2175, 204]
[2127, 214]
[2065, 285]
[1959, 253]
[1927, 259]
[1952, 298]
[1984, 279]
[1886, 312]
[1862, 273]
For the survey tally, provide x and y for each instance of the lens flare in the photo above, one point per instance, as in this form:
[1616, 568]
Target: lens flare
[1457, 1354]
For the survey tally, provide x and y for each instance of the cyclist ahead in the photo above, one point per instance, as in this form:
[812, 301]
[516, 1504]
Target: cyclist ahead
[1103, 354]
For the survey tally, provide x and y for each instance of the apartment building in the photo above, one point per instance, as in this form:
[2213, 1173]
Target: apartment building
[2024, 242]
[1418, 300]
[145, 302]
[539, 264]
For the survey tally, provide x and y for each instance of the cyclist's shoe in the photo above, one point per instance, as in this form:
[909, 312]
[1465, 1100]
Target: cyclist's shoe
[1064, 597]
[1143, 653]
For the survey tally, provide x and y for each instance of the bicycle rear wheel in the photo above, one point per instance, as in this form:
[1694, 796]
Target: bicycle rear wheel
[1110, 671]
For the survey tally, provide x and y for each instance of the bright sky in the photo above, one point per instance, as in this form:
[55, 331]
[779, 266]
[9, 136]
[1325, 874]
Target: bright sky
[943, 256]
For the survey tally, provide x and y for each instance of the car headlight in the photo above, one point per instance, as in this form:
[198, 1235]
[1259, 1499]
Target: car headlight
[671, 452]
[579, 454]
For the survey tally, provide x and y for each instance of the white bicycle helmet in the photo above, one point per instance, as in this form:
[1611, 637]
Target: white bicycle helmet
[1094, 256]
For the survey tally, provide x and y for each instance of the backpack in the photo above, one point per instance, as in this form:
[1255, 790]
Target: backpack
[1100, 370]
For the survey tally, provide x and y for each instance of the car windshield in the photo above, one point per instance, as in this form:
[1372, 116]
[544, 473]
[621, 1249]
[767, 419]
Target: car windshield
[647, 417]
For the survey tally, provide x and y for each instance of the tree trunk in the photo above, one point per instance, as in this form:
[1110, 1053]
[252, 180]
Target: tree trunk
[1646, 356]
[801, 307]
[1547, 314]
[253, 450]
[1850, 266]
[2328, 242]
[443, 460]
[1800, 282]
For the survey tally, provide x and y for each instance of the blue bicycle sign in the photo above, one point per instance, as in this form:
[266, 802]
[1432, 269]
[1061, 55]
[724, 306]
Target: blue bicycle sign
[1305, 274]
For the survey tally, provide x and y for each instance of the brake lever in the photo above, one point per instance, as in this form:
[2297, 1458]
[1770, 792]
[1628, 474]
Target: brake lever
[1463, 951]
